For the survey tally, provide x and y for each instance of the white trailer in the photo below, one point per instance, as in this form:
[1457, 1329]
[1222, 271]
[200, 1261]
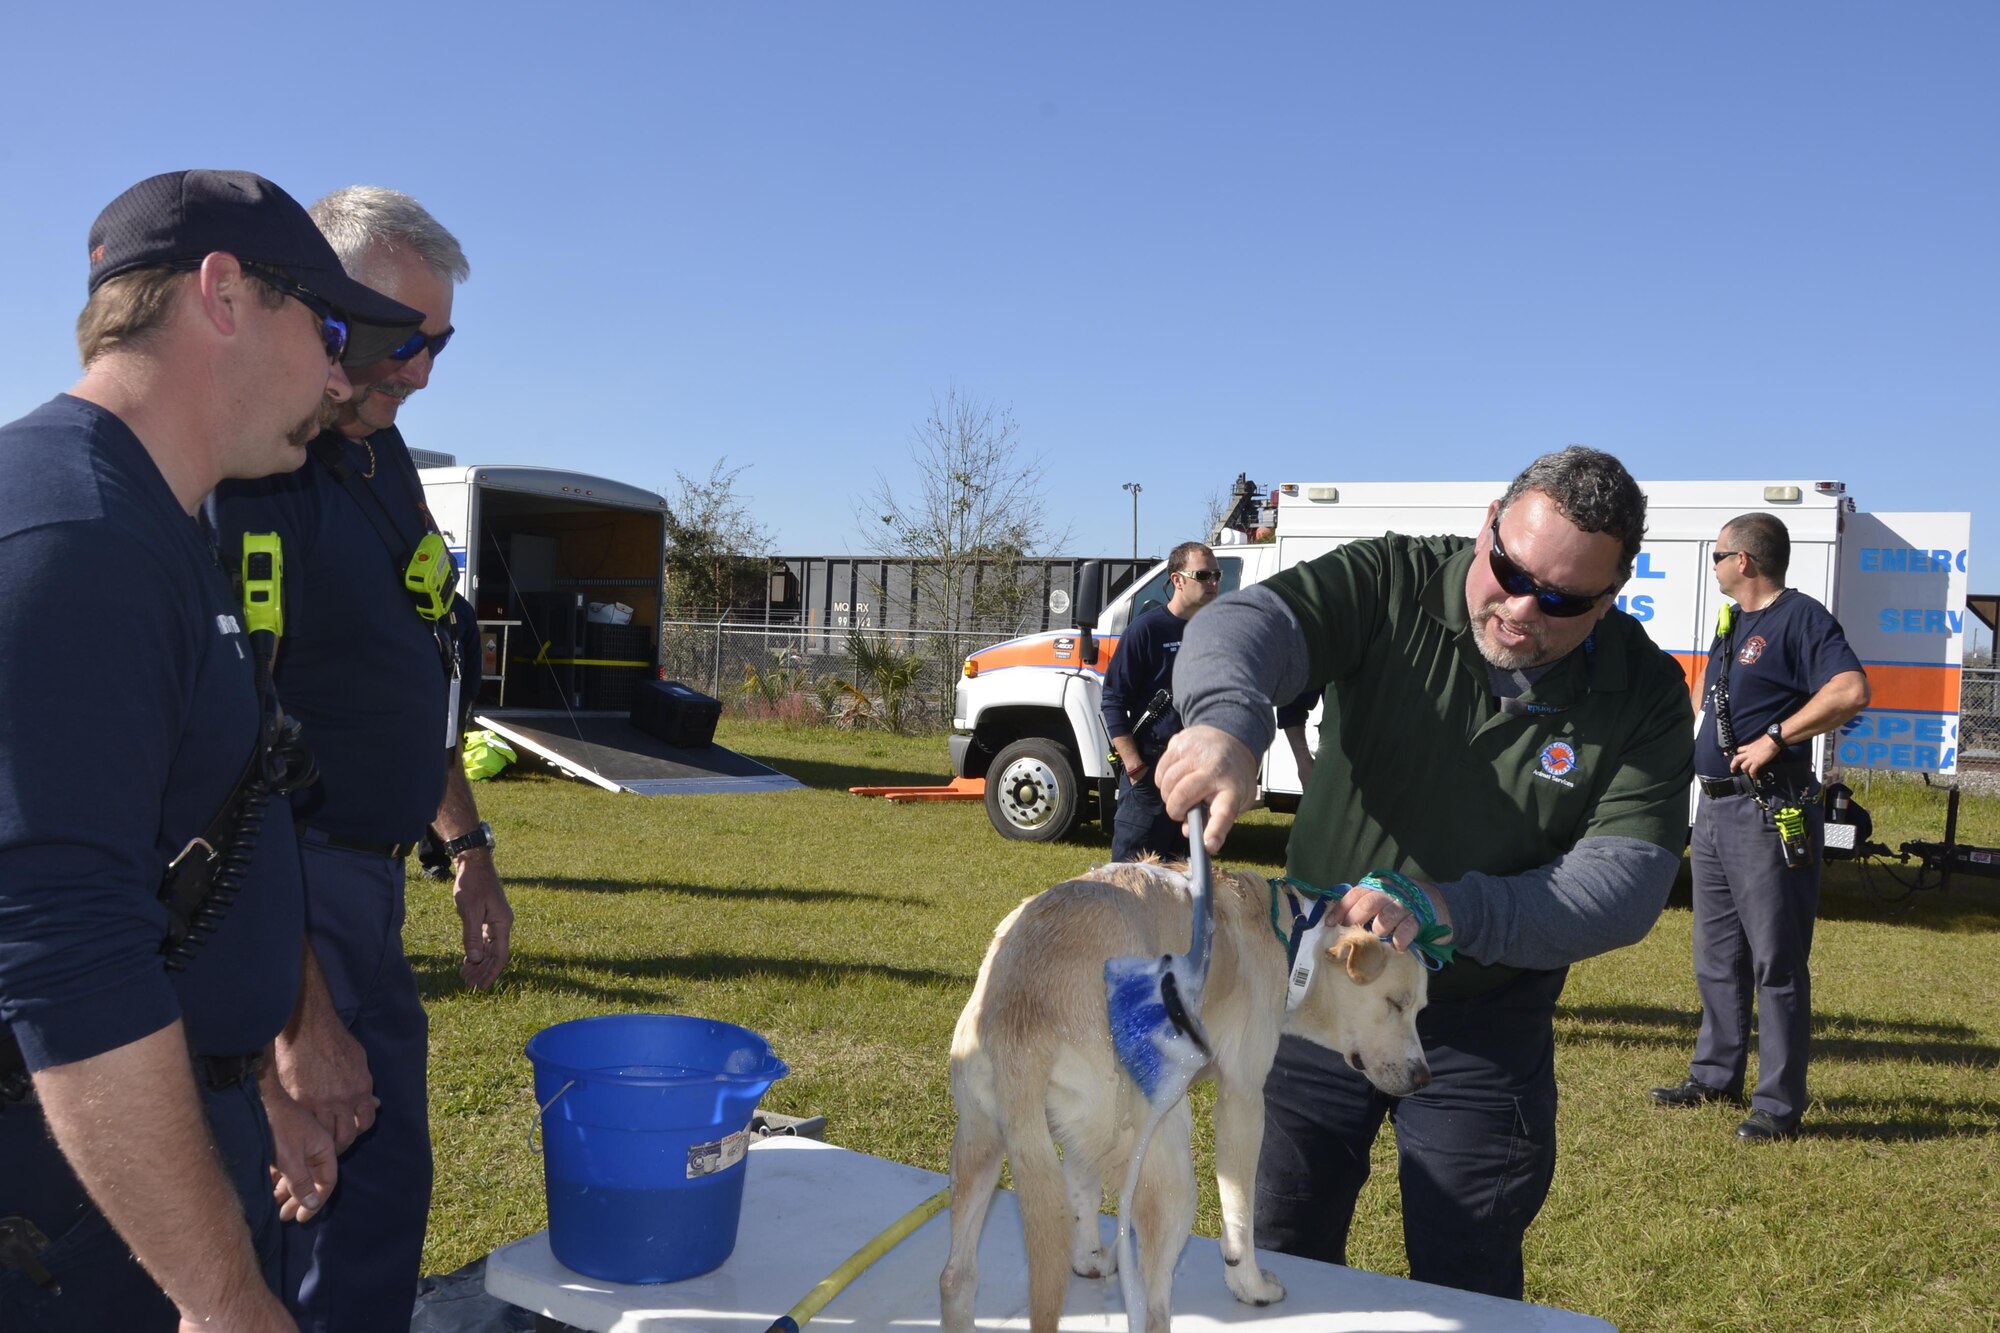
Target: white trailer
[1027, 713]
[567, 575]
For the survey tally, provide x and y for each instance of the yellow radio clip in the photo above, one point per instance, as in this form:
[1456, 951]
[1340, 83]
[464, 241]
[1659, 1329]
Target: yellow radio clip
[430, 577]
[263, 584]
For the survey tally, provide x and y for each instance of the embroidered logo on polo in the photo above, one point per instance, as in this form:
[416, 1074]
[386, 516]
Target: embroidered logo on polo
[1556, 762]
[1752, 650]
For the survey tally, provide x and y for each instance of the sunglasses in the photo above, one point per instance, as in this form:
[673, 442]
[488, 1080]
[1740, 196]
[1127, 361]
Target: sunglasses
[332, 328]
[1201, 575]
[418, 341]
[1719, 556]
[1517, 582]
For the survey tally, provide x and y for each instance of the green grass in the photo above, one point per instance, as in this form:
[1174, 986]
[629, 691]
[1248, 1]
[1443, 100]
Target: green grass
[848, 931]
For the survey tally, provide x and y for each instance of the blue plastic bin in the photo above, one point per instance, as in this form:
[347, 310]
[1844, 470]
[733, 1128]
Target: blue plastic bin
[645, 1123]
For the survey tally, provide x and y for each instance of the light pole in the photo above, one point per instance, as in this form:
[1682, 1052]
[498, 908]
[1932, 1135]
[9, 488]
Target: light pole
[1135, 488]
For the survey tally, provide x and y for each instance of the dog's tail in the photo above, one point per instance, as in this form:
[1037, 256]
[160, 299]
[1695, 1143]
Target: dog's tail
[1038, 1183]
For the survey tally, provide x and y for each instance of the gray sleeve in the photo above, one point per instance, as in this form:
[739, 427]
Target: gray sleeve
[1240, 653]
[1604, 894]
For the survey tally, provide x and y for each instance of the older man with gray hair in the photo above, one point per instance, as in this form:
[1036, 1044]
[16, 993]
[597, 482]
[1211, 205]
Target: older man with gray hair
[374, 670]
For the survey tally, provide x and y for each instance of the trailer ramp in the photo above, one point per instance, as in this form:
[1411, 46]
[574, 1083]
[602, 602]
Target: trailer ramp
[606, 749]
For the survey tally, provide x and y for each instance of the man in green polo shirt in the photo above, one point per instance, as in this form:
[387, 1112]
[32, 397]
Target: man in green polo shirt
[1496, 730]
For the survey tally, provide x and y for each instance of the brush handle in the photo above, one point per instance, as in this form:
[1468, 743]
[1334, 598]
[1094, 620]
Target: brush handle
[1200, 882]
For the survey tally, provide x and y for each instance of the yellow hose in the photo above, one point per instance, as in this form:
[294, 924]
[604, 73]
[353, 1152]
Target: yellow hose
[836, 1281]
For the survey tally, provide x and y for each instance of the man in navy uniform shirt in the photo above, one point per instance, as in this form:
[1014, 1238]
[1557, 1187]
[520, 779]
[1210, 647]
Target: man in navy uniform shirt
[1785, 673]
[211, 343]
[379, 689]
[1141, 668]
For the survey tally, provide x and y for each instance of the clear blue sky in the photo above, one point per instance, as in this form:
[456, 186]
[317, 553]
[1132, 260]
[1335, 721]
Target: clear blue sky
[1306, 241]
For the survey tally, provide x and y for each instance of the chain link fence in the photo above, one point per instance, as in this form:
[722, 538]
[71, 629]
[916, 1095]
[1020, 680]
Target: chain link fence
[904, 679]
[907, 678]
[1979, 715]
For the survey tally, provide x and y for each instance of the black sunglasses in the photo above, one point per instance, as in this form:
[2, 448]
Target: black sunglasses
[419, 340]
[1719, 556]
[332, 328]
[1201, 575]
[1517, 582]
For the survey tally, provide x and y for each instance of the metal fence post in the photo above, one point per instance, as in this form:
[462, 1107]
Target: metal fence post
[715, 680]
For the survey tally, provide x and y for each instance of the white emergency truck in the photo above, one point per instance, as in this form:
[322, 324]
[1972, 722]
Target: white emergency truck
[1027, 714]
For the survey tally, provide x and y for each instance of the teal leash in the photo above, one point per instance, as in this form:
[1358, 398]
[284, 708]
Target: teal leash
[1429, 945]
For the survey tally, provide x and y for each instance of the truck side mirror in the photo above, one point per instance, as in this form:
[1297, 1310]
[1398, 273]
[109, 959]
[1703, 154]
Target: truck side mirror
[1089, 604]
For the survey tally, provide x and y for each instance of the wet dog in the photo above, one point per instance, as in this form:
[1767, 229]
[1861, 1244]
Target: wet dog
[1032, 1066]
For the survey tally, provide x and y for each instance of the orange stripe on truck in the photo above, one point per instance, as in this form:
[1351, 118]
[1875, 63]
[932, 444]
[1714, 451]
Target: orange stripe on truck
[1905, 688]
[1041, 653]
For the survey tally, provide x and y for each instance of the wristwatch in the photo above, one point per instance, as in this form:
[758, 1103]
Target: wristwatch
[481, 837]
[1776, 731]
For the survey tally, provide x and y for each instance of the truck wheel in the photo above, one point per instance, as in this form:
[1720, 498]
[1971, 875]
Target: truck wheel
[1032, 791]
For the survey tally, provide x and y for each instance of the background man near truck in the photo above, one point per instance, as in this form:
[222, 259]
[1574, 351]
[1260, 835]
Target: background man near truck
[378, 685]
[1141, 669]
[1514, 748]
[1780, 672]
[213, 335]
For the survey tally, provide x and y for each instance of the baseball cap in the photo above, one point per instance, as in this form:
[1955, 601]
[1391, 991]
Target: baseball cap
[184, 216]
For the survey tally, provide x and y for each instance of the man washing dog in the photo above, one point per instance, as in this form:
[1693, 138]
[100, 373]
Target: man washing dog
[1499, 732]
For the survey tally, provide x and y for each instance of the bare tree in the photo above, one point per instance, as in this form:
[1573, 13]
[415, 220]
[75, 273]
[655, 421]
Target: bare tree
[971, 513]
[1215, 506]
[716, 552]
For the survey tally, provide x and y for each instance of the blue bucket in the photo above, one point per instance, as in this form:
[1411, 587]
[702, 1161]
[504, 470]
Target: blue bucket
[645, 1120]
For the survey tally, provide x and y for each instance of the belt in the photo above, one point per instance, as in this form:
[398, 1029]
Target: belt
[223, 1072]
[218, 1073]
[395, 851]
[1797, 777]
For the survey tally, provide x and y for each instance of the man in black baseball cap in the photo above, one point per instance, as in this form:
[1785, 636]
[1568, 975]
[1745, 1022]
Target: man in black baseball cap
[137, 1140]
[177, 219]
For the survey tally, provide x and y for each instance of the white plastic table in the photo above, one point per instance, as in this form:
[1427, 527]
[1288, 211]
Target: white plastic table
[807, 1206]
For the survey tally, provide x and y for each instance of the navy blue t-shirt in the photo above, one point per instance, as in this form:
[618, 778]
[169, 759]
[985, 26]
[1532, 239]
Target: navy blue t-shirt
[130, 713]
[1779, 657]
[1143, 666]
[359, 668]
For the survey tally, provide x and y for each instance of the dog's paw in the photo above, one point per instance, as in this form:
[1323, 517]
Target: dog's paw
[1094, 1263]
[1254, 1286]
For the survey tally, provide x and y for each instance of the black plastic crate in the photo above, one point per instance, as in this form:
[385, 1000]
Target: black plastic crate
[676, 713]
[616, 688]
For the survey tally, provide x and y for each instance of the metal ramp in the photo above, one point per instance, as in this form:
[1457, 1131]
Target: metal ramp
[606, 749]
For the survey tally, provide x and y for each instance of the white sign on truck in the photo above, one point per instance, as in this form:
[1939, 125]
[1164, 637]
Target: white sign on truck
[1027, 714]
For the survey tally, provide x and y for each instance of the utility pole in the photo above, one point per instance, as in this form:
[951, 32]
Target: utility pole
[1135, 488]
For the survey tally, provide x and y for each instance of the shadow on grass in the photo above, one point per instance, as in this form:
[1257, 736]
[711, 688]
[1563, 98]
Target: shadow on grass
[651, 978]
[1845, 1037]
[823, 775]
[1835, 1036]
[760, 893]
[1880, 891]
[1901, 1119]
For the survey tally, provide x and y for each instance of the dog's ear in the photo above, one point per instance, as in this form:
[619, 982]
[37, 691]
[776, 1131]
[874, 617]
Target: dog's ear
[1361, 954]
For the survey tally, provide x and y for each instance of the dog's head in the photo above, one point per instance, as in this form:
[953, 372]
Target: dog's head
[1362, 1002]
